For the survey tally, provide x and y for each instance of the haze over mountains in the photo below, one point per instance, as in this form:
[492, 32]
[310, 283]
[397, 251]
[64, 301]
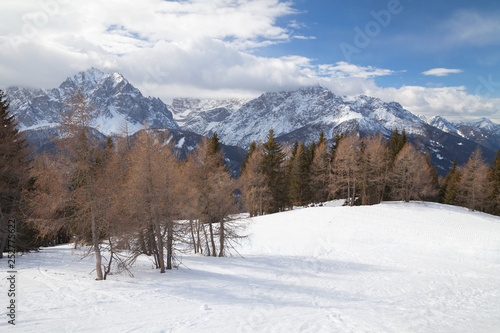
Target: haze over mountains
[294, 115]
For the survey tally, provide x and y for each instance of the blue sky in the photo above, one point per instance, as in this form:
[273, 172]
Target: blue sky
[433, 57]
[418, 36]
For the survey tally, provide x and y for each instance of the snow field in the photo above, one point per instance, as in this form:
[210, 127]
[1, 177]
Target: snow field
[393, 267]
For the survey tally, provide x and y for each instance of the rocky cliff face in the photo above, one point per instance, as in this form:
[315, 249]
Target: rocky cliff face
[201, 115]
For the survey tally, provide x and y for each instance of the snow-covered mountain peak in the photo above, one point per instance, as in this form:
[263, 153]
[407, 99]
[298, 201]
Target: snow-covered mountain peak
[481, 131]
[302, 113]
[117, 100]
[86, 80]
[92, 80]
[483, 123]
[442, 124]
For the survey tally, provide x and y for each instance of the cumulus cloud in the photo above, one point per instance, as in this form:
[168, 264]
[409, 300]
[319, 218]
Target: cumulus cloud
[442, 71]
[193, 48]
[95, 33]
[454, 103]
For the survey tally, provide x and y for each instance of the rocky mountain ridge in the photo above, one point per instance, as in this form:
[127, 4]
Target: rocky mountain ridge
[301, 114]
[117, 100]
[482, 131]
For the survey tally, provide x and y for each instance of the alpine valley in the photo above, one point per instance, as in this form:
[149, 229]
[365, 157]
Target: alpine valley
[293, 115]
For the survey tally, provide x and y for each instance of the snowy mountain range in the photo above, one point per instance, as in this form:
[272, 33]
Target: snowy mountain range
[482, 131]
[301, 114]
[118, 102]
[294, 115]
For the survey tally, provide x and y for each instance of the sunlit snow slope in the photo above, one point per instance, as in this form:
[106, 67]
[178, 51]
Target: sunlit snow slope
[393, 267]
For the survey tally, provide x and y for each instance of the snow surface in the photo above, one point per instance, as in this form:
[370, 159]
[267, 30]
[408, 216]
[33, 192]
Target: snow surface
[393, 267]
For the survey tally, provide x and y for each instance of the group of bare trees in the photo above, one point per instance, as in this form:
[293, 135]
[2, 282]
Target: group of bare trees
[474, 185]
[363, 171]
[118, 195]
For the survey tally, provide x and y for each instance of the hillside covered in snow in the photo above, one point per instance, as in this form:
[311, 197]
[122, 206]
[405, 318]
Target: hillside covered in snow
[392, 267]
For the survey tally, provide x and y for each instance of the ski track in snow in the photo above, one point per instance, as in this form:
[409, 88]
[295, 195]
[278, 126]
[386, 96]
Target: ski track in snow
[394, 267]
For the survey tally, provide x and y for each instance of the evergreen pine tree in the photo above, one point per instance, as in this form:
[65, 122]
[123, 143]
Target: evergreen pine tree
[215, 149]
[450, 186]
[299, 177]
[13, 177]
[397, 142]
[322, 138]
[294, 150]
[494, 178]
[249, 153]
[310, 153]
[320, 173]
[403, 139]
[273, 169]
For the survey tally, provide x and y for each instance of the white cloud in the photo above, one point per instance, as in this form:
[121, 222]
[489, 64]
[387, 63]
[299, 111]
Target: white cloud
[454, 103]
[442, 71]
[61, 37]
[343, 69]
[304, 37]
[184, 69]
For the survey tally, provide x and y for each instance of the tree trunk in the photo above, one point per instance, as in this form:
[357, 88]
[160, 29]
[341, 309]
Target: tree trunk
[152, 246]
[221, 238]
[170, 241]
[348, 190]
[353, 192]
[200, 248]
[212, 241]
[97, 249]
[142, 243]
[261, 210]
[159, 242]
[191, 225]
[206, 240]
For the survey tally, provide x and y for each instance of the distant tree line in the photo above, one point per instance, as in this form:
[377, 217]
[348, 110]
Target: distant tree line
[361, 171]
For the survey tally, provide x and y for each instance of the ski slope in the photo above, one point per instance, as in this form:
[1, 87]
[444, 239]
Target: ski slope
[393, 267]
